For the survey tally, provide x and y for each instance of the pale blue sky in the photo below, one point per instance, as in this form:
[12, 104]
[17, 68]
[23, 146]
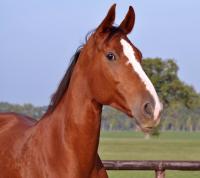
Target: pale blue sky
[37, 39]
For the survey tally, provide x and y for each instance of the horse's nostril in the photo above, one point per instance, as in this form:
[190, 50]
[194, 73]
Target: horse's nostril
[148, 109]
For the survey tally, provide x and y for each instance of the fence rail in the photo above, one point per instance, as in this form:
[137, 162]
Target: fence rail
[158, 166]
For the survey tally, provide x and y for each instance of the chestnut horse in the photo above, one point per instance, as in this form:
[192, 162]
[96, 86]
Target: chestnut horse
[64, 143]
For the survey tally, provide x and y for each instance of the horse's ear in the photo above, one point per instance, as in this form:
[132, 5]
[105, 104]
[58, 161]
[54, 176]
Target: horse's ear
[108, 20]
[128, 22]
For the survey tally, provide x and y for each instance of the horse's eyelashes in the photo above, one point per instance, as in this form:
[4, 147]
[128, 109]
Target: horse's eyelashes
[110, 56]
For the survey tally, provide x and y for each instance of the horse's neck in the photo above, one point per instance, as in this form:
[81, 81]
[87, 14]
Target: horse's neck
[74, 126]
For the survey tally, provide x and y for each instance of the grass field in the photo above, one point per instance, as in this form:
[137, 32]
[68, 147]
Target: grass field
[133, 146]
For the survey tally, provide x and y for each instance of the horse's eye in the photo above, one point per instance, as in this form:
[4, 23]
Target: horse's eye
[110, 56]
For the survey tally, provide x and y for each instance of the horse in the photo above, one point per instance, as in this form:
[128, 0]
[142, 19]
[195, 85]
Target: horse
[106, 70]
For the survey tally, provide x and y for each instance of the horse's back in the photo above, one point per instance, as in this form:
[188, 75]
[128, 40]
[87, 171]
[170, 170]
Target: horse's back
[14, 130]
[13, 127]
[10, 120]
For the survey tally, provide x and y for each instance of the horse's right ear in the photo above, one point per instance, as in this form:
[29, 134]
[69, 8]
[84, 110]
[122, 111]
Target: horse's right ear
[108, 20]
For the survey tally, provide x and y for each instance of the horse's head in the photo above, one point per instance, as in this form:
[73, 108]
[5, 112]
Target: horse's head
[115, 75]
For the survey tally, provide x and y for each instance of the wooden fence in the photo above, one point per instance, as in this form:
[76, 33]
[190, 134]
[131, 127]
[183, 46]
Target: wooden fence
[158, 166]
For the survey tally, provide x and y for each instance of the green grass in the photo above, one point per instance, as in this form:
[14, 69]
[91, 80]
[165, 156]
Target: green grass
[133, 146]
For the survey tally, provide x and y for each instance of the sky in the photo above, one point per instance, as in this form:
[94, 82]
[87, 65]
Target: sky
[37, 39]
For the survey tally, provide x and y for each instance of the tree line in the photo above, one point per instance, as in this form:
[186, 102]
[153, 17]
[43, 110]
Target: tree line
[181, 101]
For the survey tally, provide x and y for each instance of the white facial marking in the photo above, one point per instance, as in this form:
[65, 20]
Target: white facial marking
[130, 54]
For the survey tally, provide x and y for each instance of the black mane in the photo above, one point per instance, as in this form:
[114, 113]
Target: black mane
[64, 84]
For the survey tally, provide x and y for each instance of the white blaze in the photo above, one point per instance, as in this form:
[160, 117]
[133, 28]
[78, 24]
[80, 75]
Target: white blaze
[130, 54]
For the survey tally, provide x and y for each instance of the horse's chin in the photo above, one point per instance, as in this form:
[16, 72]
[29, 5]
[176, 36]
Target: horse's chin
[146, 128]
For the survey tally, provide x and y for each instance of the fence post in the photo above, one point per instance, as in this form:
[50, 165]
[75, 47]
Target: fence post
[160, 173]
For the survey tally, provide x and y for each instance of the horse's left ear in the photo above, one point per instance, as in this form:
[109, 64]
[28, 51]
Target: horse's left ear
[108, 20]
[129, 21]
